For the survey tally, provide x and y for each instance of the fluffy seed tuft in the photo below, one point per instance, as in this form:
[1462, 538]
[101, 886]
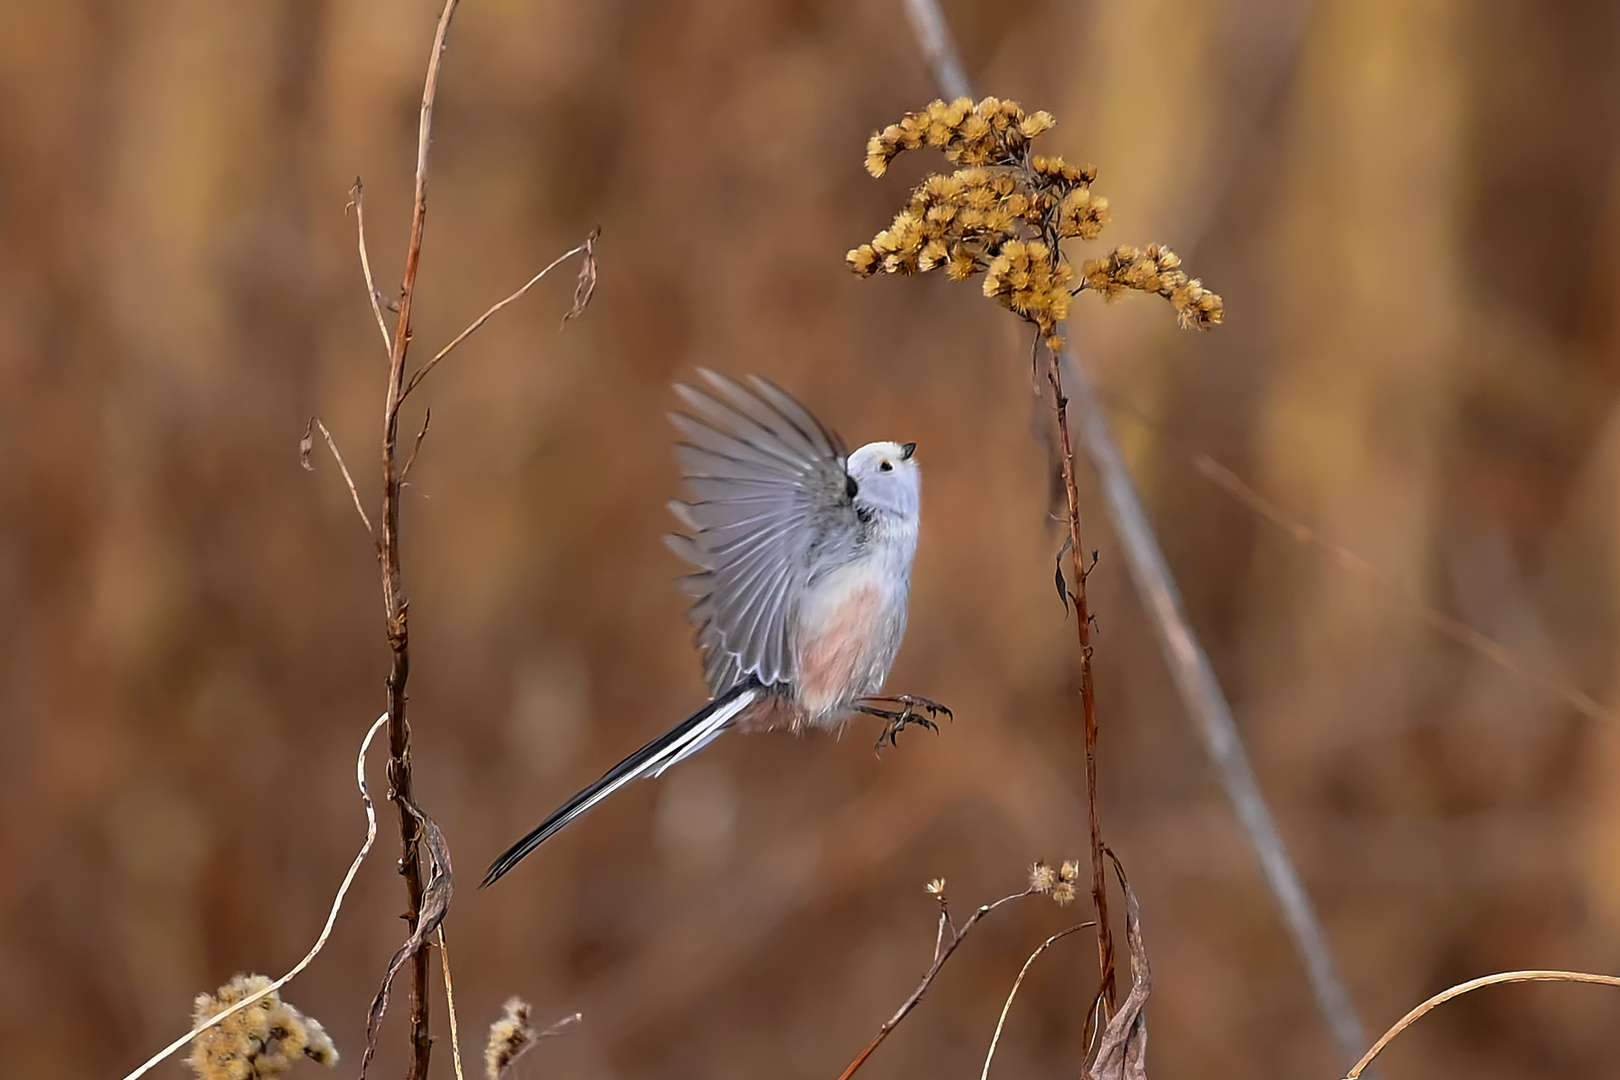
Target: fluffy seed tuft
[260, 1041]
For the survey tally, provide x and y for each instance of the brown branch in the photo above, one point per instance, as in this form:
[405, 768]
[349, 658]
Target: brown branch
[940, 956]
[585, 248]
[1088, 696]
[1047, 944]
[357, 200]
[1467, 987]
[395, 604]
[1184, 654]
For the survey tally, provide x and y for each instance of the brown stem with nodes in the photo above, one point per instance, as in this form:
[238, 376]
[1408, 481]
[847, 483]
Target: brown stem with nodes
[395, 605]
[1088, 696]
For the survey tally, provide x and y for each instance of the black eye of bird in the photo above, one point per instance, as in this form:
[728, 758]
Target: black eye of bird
[885, 467]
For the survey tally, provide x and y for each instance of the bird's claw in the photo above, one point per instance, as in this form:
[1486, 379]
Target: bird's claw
[906, 716]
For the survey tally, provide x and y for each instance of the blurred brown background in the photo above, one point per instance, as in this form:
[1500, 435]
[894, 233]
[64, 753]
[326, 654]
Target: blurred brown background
[1412, 211]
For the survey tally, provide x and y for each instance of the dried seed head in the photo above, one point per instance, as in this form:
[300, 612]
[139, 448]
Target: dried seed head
[262, 1040]
[508, 1037]
[1003, 211]
[936, 887]
[1042, 877]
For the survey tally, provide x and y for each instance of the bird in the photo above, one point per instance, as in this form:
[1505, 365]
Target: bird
[803, 554]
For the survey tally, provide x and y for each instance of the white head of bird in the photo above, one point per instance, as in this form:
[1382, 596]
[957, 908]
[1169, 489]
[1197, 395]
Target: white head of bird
[888, 481]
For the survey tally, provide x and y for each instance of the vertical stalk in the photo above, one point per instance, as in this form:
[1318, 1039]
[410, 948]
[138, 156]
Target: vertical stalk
[1088, 697]
[395, 605]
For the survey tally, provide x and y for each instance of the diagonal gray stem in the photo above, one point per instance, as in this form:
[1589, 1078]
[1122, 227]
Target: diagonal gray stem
[1189, 664]
[1195, 679]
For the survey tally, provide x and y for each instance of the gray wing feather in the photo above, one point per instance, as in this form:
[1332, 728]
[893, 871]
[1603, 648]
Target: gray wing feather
[768, 483]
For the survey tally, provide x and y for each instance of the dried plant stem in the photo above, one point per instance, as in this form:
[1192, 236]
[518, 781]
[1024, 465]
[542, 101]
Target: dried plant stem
[357, 200]
[395, 604]
[945, 943]
[326, 931]
[1194, 677]
[331, 444]
[1007, 1006]
[482, 319]
[1184, 655]
[450, 1001]
[1468, 987]
[1088, 695]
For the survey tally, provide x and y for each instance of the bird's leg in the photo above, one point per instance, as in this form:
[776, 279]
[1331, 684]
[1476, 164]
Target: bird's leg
[899, 719]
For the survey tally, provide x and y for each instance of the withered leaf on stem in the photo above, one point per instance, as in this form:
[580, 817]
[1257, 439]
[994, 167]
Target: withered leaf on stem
[435, 903]
[1122, 1053]
[1061, 582]
[306, 445]
[586, 285]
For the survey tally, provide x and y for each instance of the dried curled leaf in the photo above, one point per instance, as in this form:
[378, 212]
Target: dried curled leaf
[435, 904]
[1122, 1052]
[585, 287]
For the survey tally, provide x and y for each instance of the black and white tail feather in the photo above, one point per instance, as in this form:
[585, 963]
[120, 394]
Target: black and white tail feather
[679, 742]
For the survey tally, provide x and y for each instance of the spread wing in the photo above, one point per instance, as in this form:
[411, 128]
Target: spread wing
[768, 483]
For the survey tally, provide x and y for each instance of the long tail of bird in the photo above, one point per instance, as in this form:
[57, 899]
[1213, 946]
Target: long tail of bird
[681, 741]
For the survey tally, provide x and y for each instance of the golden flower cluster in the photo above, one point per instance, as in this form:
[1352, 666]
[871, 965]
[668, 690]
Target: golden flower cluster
[1057, 883]
[1004, 213]
[992, 132]
[1154, 269]
[1029, 282]
[262, 1040]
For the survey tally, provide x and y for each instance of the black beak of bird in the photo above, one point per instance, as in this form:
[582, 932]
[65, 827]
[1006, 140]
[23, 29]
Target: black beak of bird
[906, 450]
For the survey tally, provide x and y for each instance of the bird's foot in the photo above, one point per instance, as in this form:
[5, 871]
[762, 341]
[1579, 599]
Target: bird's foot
[897, 720]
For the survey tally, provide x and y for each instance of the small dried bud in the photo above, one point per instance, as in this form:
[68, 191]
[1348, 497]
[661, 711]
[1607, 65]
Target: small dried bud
[1070, 870]
[962, 265]
[1036, 124]
[508, 1038]
[863, 260]
[936, 887]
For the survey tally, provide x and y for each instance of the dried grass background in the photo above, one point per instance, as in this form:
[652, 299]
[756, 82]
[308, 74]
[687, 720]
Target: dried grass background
[1418, 251]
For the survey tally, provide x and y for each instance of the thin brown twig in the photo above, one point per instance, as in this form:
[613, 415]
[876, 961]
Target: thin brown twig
[427, 418]
[1005, 1008]
[326, 931]
[1467, 987]
[1088, 697]
[940, 956]
[395, 604]
[331, 444]
[450, 1001]
[482, 319]
[357, 200]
